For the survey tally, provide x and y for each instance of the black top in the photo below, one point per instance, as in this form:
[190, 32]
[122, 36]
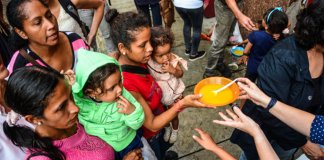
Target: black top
[316, 98]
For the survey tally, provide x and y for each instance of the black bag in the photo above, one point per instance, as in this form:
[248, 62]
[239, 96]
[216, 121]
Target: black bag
[70, 8]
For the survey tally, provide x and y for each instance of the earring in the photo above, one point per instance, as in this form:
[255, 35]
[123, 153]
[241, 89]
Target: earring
[124, 53]
[39, 123]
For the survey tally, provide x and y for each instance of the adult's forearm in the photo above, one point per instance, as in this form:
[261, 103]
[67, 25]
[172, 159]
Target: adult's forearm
[295, 118]
[234, 8]
[264, 148]
[222, 154]
[97, 18]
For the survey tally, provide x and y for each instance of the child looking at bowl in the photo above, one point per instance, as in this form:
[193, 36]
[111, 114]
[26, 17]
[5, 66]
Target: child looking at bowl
[167, 70]
[260, 42]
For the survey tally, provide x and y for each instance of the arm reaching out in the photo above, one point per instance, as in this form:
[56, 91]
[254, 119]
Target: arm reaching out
[246, 124]
[155, 123]
[287, 114]
[208, 143]
[245, 21]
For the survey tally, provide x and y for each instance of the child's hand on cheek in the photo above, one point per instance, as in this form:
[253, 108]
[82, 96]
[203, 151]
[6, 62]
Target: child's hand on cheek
[167, 68]
[125, 106]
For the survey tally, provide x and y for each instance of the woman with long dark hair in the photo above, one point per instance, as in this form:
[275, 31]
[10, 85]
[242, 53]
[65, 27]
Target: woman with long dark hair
[43, 98]
[35, 31]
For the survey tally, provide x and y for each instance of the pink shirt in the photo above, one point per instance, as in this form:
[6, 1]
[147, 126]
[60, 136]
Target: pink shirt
[82, 146]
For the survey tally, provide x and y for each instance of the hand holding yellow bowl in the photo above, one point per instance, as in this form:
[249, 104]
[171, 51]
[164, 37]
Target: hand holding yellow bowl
[207, 86]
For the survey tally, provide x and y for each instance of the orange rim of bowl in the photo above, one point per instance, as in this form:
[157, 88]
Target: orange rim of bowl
[218, 80]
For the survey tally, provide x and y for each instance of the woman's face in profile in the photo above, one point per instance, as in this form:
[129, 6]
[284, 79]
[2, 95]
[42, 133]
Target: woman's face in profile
[39, 26]
[61, 112]
[140, 48]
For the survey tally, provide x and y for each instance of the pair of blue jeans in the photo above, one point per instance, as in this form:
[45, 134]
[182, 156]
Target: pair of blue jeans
[135, 144]
[156, 13]
[193, 19]
[158, 145]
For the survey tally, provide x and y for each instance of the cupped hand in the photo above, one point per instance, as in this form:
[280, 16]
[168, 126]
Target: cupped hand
[204, 140]
[192, 101]
[239, 121]
[250, 91]
[125, 106]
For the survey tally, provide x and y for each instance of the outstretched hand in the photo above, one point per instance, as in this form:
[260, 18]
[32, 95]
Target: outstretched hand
[250, 91]
[204, 140]
[239, 121]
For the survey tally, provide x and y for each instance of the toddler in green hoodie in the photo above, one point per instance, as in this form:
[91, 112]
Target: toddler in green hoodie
[107, 109]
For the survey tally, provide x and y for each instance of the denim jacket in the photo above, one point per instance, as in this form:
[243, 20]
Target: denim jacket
[284, 75]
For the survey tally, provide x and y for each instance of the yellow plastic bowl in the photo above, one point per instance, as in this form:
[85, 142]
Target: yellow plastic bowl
[206, 86]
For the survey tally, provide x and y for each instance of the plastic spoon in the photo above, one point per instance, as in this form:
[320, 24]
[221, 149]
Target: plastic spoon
[224, 87]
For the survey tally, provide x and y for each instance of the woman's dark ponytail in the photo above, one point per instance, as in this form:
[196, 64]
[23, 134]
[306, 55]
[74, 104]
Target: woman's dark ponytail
[27, 93]
[25, 137]
[124, 25]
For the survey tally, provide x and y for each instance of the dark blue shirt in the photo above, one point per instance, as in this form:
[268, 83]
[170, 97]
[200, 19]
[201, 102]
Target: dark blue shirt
[262, 43]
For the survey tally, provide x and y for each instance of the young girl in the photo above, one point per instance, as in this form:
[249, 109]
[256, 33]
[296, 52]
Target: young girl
[107, 109]
[43, 98]
[260, 42]
[133, 41]
[166, 69]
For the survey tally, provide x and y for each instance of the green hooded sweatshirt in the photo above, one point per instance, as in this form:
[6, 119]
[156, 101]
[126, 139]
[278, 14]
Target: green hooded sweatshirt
[103, 119]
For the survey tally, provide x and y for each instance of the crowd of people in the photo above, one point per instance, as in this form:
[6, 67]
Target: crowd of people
[61, 99]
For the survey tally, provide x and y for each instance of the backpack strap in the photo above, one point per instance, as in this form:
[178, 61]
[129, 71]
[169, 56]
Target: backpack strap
[71, 9]
[30, 59]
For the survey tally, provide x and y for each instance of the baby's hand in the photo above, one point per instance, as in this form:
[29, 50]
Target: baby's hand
[125, 106]
[69, 75]
[167, 68]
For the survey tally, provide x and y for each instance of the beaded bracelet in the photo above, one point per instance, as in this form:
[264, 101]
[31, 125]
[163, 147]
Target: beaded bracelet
[272, 102]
